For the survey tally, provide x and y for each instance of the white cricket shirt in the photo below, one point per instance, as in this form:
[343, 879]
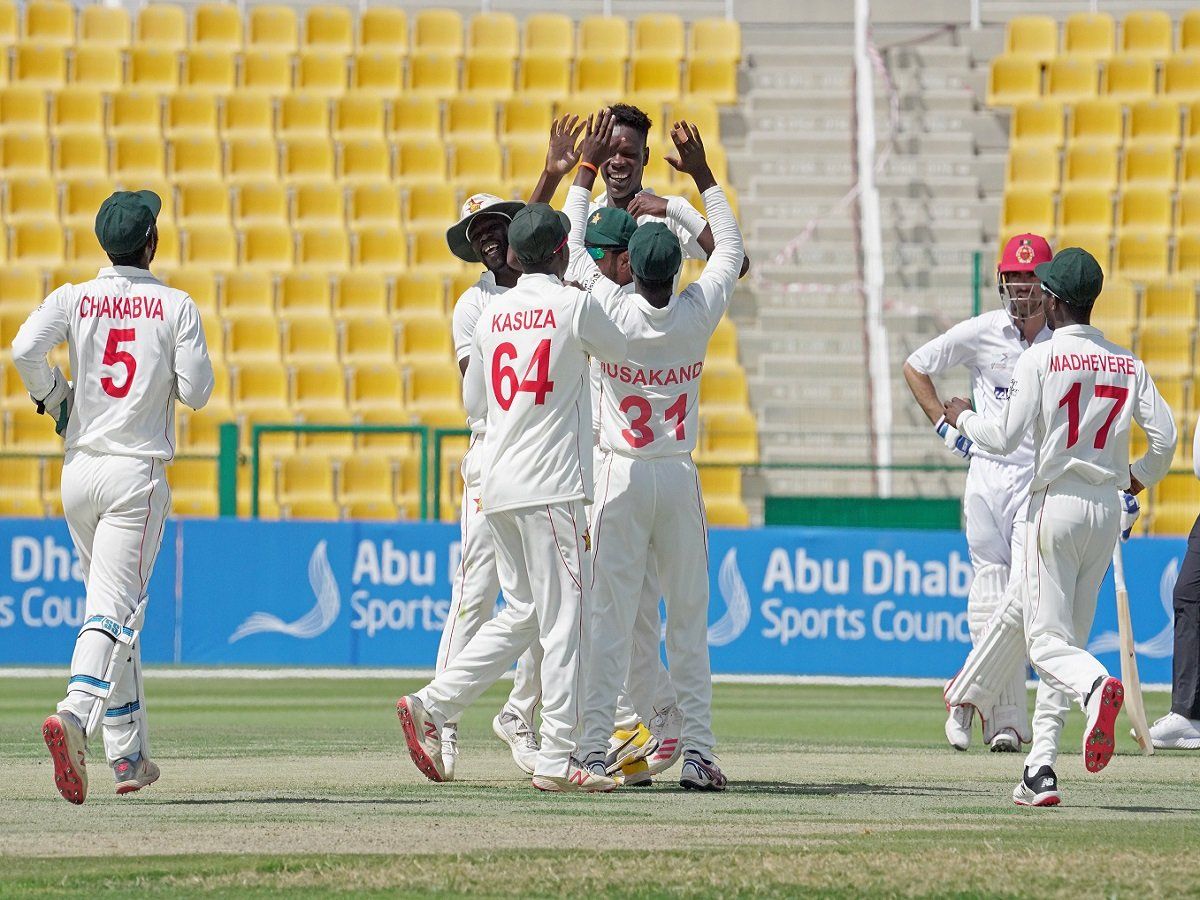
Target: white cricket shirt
[528, 375]
[136, 346]
[989, 346]
[1077, 393]
[683, 220]
[467, 311]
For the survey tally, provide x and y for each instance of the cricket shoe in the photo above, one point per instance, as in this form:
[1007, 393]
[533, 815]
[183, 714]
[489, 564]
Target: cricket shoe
[1099, 735]
[636, 774]
[449, 750]
[422, 736]
[628, 745]
[958, 726]
[667, 727]
[700, 774]
[578, 778]
[1175, 732]
[133, 775]
[1038, 788]
[1005, 740]
[521, 740]
[68, 749]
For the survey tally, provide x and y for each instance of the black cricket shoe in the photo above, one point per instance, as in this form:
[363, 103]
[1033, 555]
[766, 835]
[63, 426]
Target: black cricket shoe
[1039, 788]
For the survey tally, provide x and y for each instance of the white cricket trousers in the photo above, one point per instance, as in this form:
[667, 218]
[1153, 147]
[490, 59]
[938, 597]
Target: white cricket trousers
[545, 571]
[474, 591]
[116, 507]
[1072, 529]
[650, 510]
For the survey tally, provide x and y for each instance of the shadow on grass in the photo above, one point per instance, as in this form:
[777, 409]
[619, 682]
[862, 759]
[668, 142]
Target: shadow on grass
[333, 801]
[789, 788]
[1149, 809]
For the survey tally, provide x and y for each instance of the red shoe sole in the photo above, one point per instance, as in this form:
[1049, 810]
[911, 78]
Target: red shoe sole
[1100, 743]
[1049, 801]
[419, 757]
[66, 778]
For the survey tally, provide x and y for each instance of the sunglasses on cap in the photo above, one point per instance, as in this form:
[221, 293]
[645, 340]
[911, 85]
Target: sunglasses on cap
[597, 253]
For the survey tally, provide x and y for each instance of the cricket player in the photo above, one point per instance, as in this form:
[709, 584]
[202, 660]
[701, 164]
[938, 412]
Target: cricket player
[136, 346]
[481, 235]
[529, 372]
[649, 503]
[1076, 393]
[997, 488]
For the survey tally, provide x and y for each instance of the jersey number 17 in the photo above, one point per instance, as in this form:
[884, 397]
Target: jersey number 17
[1102, 392]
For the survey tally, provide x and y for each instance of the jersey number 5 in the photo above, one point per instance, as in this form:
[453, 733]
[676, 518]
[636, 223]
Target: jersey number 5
[504, 377]
[114, 356]
[1103, 392]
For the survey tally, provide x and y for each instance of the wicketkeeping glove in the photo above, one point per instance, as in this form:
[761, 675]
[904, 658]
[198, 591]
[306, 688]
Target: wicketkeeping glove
[956, 442]
[1130, 510]
[58, 403]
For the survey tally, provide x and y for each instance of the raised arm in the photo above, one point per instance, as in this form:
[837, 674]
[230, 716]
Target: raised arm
[1003, 435]
[596, 332]
[193, 368]
[561, 157]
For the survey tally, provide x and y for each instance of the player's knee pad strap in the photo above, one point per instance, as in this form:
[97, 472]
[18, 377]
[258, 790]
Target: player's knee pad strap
[123, 715]
[114, 629]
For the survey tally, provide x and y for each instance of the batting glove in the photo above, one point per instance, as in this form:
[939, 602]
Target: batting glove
[1130, 510]
[58, 403]
[956, 443]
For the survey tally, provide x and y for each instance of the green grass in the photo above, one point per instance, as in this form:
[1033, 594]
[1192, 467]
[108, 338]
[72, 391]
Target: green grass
[304, 787]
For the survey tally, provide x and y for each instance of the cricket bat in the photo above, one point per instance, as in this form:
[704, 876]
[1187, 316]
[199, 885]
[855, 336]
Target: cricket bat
[1129, 670]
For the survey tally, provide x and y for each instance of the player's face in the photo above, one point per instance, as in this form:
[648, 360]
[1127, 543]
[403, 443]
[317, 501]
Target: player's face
[614, 265]
[1024, 299]
[489, 240]
[623, 171]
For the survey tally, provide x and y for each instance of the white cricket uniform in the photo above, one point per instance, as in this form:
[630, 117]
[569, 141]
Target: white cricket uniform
[136, 346]
[683, 220]
[649, 503]
[476, 584]
[1077, 394]
[529, 371]
[995, 497]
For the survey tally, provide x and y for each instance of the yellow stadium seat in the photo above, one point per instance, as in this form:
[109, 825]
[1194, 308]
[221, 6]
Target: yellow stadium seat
[1071, 79]
[659, 36]
[1096, 240]
[247, 293]
[20, 288]
[1089, 164]
[266, 72]
[1187, 254]
[36, 243]
[247, 115]
[366, 479]
[1089, 36]
[1187, 209]
[8, 23]
[1170, 303]
[369, 341]
[200, 285]
[190, 114]
[153, 69]
[494, 34]
[31, 199]
[306, 159]
[22, 109]
[523, 163]
[1027, 211]
[1190, 173]
[700, 112]
[40, 65]
[134, 112]
[210, 70]
[604, 36]
[713, 79]
[544, 77]
[272, 27]
[321, 73]
[50, 22]
[1149, 164]
[1181, 77]
[423, 337]
[374, 203]
[713, 38]
[329, 28]
[81, 198]
[214, 334]
[1033, 37]
[98, 67]
[322, 248]
[310, 339]
[1174, 507]
[470, 118]
[303, 114]
[385, 29]
[254, 339]
[1117, 307]
[359, 294]
[1166, 350]
[378, 73]
[428, 203]
[1154, 121]
[548, 34]
[432, 385]
[162, 25]
[84, 249]
[30, 433]
[1097, 122]
[1140, 257]
[259, 385]
[251, 159]
[525, 119]
[318, 204]
[26, 154]
[20, 482]
[101, 24]
[420, 160]
[137, 156]
[460, 283]
[600, 75]
[358, 116]
[1013, 80]
[194, 157]
[414, 117]
[212, 246]
[81, 155]
[1146, 33]
[433, 74]
[381, 247]
[474, 162]
[1129, 78]
[420, 293]
[365, 159]
[429, 250]
[1145, 208]
[438, 31]
[260, 202]
[268, 246]
[304, 295]
[1086, 206]
[728, 436]
[166, 256]
[193, 487]
[217, 25]
[723, 390]
[488, 75]
[1033, 167]
[378, 387]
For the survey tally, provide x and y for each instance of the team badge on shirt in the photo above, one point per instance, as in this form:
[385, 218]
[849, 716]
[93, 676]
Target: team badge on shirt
[587, 540]
[478, 504]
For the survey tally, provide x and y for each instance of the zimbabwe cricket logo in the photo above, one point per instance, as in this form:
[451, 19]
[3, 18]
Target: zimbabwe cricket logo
[587, 540]
[474, 204]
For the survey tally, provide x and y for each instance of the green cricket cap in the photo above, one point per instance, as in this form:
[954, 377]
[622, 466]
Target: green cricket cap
[610, 228]
[536, 231]
[654, 253]
[124, 221]
[1073, 276]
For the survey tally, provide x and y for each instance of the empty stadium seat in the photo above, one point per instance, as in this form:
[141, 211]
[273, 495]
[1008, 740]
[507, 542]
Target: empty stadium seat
[153, 69]
[1170, 302]
[162, 25]
[712, 38]
[272, 27]
[548, 35]
[1129, 78]
[357, 116]
[266, 72]
[604, 36]
[433, 74]
[374, 203]
[1154, 121]
[321, 73]
[1027, 211]
[247, 292]
[1146, 209]
[329, 28]
[1146, 33]
[488, 76]
[1091, 164]
[1034, 166]
[378, 73]
[50, 22]
[1149, 164]
[1089, 36]
[313, 340]
[1013, 80]
[1141, 257]
[384, 28]
[102, 24]
[217, 25]
[318, 203]
[1097, 122]
[414, 117]
[1167, 350]
[1032, 37]
[259, 202]
[438, 31]
[1181, 78]
[1071, 79]
[713, 79]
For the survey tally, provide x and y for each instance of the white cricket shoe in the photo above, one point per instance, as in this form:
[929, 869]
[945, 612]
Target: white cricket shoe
[1038, 788]
[1175, 732]
[521, 740]
[958, 726]
[449, 750]
[1099, 735]
[422, 736]
[667, 728]
[133, 776]
[578, 778]
[67, 744]
[1005, 740]
[700, 774]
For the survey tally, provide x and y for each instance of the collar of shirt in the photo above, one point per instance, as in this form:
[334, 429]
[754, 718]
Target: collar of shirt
[530, 279]
[1084, 330]
[487, 278]
[125, 272]
[1011, 330]
[654, 312]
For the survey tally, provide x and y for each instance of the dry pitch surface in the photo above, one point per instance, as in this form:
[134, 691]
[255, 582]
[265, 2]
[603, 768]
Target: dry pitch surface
[304, 786]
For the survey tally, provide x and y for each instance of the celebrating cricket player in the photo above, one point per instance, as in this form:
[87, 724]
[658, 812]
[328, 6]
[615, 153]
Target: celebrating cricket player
[1077, 394]
[997, 489]
[136, 346]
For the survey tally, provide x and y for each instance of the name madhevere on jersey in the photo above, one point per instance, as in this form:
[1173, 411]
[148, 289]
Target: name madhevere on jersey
[121, 308]
[652, 377]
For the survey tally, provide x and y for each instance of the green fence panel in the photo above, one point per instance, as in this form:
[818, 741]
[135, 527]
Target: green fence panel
[865, 512]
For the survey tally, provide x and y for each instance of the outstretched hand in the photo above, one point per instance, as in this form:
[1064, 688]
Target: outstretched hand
[562, 155]
[690, 157]
[597, 145]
